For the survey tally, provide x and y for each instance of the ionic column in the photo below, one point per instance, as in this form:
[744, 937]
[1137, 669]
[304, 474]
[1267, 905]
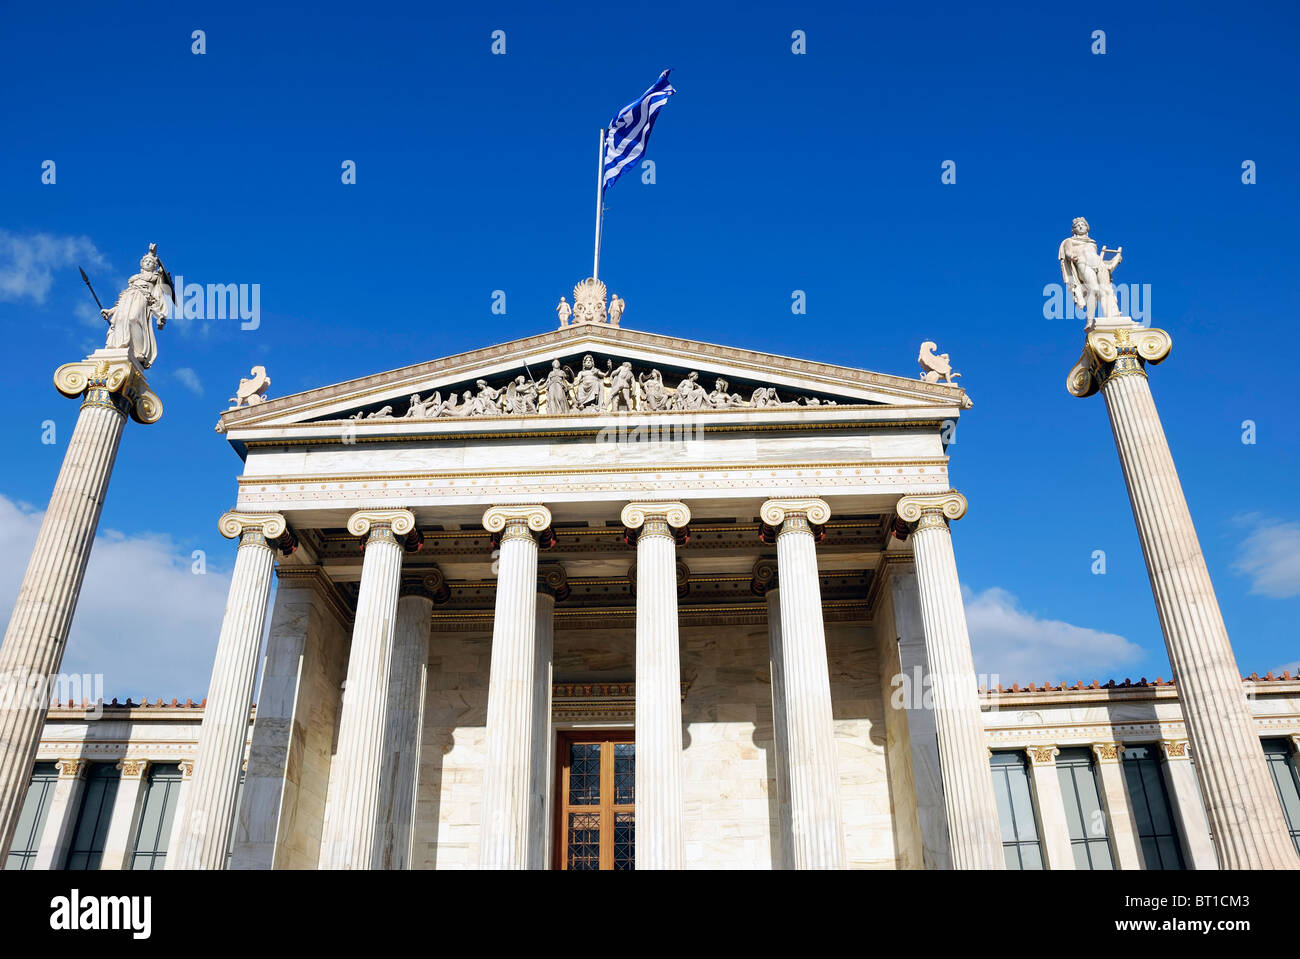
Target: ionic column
[1244, 812]
[112, 386]
[552, 585]
[658, 786]
[209, 815]
[1185, 792]
[1115, 802]
[56, 837]
[816, 822]
[766, 582]
[1051, 807]
[974, 836]
[401, 767]
[351, 825]
[124, 819]
[508, 773]
[182, 803]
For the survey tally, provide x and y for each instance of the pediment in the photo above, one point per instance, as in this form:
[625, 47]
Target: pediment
[543, 376]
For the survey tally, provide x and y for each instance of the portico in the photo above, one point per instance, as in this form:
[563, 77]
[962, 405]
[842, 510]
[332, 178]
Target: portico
[700, 575]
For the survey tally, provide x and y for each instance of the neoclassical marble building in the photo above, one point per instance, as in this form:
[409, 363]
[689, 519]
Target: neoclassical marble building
[620, 600]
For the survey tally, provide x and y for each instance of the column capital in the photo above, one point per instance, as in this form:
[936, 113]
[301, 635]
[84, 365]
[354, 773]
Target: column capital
[657, 518]
[133, 768]
[426, 581]
[389, 525]
[258, 529]
[111, 379]
[72, 768]
[1115, 352]
[775, 512]
[765, 577]
[1106, 752]
[924, 510]
[531, 521]
[553, 580]
[1174, 748]
[1041, 755]
[187, 768]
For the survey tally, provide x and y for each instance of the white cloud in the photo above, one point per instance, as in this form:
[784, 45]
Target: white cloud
[1018, 646]
[1270, 556]
[144, 619]
[189, 379]
[28, 262]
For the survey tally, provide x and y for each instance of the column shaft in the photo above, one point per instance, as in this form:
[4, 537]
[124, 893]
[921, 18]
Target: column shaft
[1115, 803]
[47, 599]
[124, 819]
[973, 830]
[1055, 837]
[56, 837]
[817, 833]
[352, 819]
[542, 753]
[402, 730]
[209, 814]
[780, 736]
[1185, 795]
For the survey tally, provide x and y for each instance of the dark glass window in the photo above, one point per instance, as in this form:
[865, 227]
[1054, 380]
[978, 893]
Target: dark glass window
[1153, 817]
[1020, 844]
[1283, 767]
[97, 798]
[1089, 837]
[31, 821]
[162, 791]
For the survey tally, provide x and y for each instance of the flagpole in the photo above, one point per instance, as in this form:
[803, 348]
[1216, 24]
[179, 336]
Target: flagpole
[600, 175]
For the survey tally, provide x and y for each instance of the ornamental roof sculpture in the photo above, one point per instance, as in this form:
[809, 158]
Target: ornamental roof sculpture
[587, 390]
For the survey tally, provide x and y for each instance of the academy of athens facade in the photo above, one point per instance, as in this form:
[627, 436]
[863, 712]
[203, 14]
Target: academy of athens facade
[709, 625]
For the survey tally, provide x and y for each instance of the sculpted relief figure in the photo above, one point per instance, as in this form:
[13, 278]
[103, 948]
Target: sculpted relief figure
[563, 311]
[252, 389]
[622, 389]
[520, 397]
[557, 388]
[657, 397]
[586, 385]
[690, 395]
[721, 399]
[1088, 274]
[616, 306]
[148, 294]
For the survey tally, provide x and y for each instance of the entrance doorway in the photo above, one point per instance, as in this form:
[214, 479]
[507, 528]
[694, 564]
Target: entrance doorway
[596, 781]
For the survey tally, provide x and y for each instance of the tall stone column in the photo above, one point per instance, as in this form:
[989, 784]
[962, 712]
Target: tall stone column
[56, 837]
[1115, 802]
[817, 824]
[112, 386]
[1243, 809]
[353, 817]
[209, 815]
[1189, 808]
[508, 775]
[1055, 836]
[552, 585]
[658, 785]
[974, 836]
[124, 820]
[766, 582]
[402, 724]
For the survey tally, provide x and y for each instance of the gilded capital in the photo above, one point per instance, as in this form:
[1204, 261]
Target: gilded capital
[1042, 755]
[72, 768]
[187, 768]
[1174, 748]
[1111, 353]
[1106, 752]
[925, 510]
[133, 768]
[111, 379]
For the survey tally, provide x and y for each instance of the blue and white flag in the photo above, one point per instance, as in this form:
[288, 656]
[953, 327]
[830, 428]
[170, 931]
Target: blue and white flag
[629, 132]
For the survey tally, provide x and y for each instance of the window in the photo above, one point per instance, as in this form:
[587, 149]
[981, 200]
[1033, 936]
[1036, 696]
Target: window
[1016, 811]
[1285, 778]
[1152, 815]
[596, 782]
[92, 820]
[31, 822]
[1089, 838]
[160, 797]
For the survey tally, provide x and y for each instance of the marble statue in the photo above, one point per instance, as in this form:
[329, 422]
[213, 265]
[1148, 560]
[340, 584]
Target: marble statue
[563, 311]
[520, 397]
[935, 366]
[657, 397]
[616, 307]
[251, 390]
[720, 399]
[417, 410]
[1087, 273]
[589, 301]
[586, 385]
[557, 388]
[488, 400]
[622, 389]
[148, 294]
[690, 395]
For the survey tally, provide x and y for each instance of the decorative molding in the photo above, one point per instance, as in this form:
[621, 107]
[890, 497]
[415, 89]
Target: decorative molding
[318, 580]
[589, 702]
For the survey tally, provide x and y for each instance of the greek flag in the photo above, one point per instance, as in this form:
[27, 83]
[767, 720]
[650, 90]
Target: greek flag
[629, 132]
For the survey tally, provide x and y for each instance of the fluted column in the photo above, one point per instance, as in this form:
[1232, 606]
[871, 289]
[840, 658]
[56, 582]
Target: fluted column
[112, 386]
[124, 820]
[816, 821]
[400, 771]
[658, 785]
[1115, 801]
[1055, 834]
[552, 585]
[974, 836]
[508, 774]
[353, 817]
[1185, 796]
[1245, 815]
[767, 584]
[205, 839]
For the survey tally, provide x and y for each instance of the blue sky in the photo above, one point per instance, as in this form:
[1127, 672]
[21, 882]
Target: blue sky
[775, 172]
